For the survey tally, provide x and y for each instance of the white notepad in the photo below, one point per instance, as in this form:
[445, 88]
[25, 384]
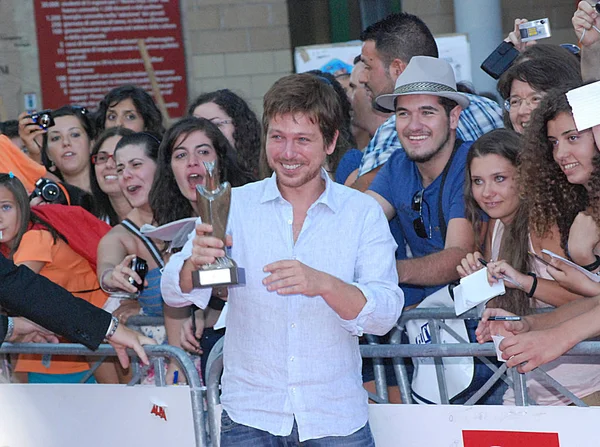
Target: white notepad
[585, 102]
[474, 290]
[587, 273]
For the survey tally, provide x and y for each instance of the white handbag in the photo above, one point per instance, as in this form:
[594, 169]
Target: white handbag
[458, 371]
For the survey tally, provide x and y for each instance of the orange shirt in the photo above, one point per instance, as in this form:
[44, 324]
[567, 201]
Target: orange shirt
[12, 159]
[69, 270]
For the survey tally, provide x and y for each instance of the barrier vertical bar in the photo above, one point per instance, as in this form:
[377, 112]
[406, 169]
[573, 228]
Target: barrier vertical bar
[400, 368]
[379, 373]
[439, 363]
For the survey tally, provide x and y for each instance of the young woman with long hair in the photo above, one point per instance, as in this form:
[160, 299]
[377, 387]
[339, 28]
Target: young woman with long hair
[131, 107]
[67, 145]
[236, 120]
[29, 240]
[492, 187]
[109, 200]
[185, 146]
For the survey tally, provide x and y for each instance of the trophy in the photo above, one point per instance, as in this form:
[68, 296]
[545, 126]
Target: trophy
[212, 204]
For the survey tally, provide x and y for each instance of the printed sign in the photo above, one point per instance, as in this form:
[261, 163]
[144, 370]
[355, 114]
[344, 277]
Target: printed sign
[88, 47]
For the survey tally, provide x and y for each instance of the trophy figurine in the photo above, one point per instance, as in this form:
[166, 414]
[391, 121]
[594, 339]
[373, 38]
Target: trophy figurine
[212, 204]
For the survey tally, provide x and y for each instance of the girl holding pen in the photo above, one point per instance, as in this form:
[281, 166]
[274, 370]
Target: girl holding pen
[492, 187]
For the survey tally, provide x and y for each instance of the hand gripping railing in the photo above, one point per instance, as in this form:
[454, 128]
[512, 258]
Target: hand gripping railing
[157, 354]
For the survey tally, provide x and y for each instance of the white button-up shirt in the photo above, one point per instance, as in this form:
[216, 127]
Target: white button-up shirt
[292, 356]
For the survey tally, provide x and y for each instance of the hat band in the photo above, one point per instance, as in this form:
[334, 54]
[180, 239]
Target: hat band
[432, 87]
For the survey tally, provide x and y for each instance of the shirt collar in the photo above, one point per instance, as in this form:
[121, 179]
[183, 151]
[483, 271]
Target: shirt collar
[327, 198]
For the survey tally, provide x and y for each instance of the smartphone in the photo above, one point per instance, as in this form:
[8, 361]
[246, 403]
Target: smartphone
[539, 258]
[500, 60]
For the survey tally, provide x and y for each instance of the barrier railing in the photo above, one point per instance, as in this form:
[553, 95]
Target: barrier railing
[157, 354]
[397, 352]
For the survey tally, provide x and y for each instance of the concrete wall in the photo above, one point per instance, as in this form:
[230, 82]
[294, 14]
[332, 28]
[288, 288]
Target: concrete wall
[439, 15]
[240, 44]
[243, 45]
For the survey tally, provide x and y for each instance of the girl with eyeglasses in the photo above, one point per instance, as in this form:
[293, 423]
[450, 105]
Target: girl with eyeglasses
[510, 247]
[110, 202]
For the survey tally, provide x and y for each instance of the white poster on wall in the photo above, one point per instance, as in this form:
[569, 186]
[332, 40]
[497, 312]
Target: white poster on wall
[338, 58]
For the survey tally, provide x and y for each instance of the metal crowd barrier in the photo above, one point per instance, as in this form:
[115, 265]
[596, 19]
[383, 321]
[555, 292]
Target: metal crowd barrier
[157, 355]
[398, 352]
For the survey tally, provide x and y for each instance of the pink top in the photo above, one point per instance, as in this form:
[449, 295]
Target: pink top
[580, 375]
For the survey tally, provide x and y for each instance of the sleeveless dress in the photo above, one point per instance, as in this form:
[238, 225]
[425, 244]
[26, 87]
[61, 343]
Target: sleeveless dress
[580, 375]
[151, 301]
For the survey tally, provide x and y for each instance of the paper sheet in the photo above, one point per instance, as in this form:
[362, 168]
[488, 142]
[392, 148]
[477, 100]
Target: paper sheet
[497, 340]
[585, 102]
[475, 289]
[592, 276]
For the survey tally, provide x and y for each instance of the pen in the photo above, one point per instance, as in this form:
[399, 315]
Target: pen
[504, 318]
[504, 277]
[175, 377]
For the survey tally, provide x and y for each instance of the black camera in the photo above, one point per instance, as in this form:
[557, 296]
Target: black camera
[139, 266]
[49, 191]
[43, 119]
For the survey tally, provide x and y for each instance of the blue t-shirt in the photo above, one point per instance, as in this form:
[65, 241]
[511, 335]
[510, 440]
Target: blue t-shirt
[398, 181]
[349, 163]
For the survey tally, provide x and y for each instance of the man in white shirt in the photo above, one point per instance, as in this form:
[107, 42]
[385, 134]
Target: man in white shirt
[320, 270]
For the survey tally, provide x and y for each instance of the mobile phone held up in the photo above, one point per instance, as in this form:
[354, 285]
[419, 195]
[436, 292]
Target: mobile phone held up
[500, 59]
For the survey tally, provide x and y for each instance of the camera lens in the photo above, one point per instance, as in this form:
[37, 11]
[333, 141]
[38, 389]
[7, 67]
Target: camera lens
[45, 120]
[50, 192]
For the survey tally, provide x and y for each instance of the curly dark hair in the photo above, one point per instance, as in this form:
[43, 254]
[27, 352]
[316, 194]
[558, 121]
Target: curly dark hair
[247, 130]
[143, 102]
[166, 200]
[102, 206]
[550, 198]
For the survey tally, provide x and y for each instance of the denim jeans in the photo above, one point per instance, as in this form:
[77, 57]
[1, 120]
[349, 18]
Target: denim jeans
[234, 435]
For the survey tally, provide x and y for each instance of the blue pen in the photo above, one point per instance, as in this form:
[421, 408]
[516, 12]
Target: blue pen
[175, 377]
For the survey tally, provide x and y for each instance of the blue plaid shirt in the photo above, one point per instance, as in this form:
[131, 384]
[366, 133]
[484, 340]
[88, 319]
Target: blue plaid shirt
[482, 116]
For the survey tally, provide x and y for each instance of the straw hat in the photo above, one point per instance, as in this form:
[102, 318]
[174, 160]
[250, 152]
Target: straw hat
[425, 75]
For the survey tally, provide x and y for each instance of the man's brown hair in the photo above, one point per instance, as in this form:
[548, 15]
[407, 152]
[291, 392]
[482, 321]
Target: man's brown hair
[305, 94]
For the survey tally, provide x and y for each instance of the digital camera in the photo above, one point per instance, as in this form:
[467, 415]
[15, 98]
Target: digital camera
[49, 191]
[535, 30]
[43, 119]
[139, 266]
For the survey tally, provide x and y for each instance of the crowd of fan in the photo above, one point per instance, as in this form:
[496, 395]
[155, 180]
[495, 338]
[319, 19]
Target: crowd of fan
[521, 178]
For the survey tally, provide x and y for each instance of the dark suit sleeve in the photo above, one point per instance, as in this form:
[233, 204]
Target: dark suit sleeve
[3, 327]
[27, 294]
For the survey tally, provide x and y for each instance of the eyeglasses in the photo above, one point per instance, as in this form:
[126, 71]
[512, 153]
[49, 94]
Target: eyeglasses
[221, 123]
[102, 157]
[514, 102]
[419, 223]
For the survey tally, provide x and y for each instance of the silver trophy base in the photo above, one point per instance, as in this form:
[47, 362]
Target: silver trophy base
[224, 276]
